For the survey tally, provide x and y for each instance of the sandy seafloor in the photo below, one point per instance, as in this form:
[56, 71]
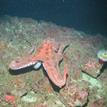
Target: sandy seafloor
[31, 88]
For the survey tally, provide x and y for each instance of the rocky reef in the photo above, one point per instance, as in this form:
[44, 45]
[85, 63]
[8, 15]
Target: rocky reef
[86, 83]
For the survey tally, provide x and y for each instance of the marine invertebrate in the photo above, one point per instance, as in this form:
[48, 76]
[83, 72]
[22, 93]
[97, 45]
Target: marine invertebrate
[49, 54]
[102, 55]
[10, 99]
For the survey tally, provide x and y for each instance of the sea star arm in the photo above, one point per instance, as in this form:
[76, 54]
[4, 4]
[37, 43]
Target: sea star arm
[54, 74]
[24, 62]
[62, 48]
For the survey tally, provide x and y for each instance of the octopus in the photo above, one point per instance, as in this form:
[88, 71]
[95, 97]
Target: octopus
[49, 54]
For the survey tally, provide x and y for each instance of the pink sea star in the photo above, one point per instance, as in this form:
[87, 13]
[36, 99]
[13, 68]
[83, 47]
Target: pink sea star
[49, 54]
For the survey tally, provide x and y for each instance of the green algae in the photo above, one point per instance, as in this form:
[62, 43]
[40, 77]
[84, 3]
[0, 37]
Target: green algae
[93, 82]
[29, 98]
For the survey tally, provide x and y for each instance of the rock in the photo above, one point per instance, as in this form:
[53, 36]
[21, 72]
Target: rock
[29, 97]
[92, 81]
[74, 95]
[97, 103]
[54, 101]
[19, 93]
[92, 67]
[18, 83]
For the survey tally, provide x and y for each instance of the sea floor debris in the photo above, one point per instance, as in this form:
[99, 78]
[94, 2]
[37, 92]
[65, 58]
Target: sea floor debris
[18, 35]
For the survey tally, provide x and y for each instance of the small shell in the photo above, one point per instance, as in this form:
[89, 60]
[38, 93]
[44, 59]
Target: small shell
[37, 65]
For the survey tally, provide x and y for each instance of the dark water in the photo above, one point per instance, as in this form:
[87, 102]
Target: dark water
[89, 16]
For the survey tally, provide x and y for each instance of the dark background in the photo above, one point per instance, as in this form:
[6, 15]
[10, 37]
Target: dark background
[89, 16]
